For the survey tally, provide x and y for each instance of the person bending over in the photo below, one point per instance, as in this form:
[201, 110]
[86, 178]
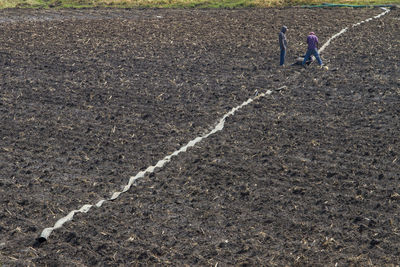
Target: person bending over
[312, 41]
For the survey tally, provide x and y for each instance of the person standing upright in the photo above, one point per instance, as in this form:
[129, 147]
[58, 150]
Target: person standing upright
[283, 44]
[312, 42]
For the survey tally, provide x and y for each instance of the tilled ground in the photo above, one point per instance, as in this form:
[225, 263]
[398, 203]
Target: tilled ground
[306, 176]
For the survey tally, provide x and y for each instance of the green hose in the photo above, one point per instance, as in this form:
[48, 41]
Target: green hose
[346, 5]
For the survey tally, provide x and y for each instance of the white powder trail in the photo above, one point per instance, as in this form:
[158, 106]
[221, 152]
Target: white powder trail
[85, 208]
[220, 125]
[354, 25]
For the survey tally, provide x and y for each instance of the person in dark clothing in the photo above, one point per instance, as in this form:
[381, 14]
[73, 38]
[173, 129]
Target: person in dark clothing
[283, 44]
[312, 42]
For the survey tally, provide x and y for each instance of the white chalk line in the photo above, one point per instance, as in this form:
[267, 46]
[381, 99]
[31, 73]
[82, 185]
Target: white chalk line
[220, 125]
[85, 208]
[354, 25]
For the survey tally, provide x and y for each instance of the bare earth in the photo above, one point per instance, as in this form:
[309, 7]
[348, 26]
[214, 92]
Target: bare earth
[308, 176]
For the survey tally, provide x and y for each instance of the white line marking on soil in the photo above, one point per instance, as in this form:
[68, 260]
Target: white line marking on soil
[354, 25]
[85, 208]
[220, 125]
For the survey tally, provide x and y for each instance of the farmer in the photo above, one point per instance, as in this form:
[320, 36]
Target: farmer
[283, 44]
[312, 41]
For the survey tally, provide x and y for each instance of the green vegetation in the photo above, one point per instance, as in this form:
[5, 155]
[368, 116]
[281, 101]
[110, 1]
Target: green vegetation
[180, 3]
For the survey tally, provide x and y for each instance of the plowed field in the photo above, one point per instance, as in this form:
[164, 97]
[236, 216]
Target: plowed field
[308, 175]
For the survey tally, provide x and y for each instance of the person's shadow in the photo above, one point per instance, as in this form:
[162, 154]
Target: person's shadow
[299, 60]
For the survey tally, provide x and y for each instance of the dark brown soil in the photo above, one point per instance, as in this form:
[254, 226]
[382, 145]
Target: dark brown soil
[307, 176]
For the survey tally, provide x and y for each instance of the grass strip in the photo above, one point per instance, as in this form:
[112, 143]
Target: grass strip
[180, 3]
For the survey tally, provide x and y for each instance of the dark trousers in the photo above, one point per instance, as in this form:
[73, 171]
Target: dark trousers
[316, 55]
[283, 54]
